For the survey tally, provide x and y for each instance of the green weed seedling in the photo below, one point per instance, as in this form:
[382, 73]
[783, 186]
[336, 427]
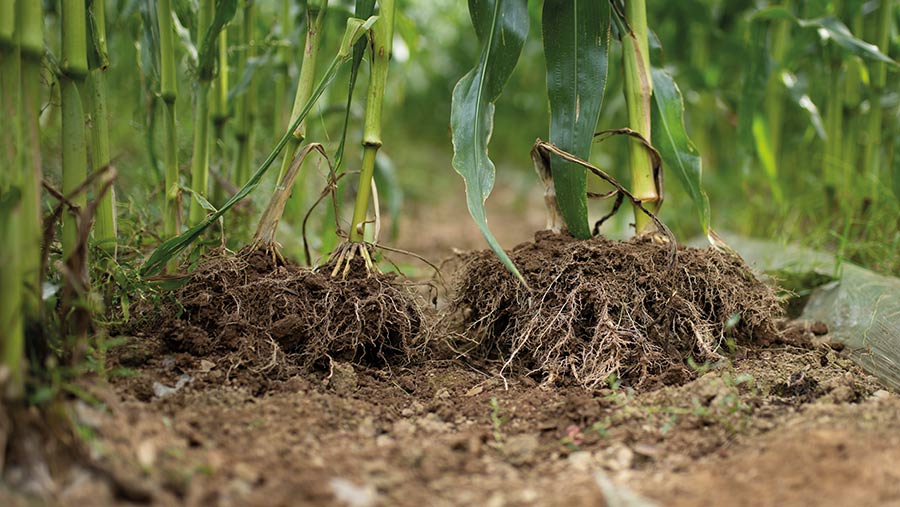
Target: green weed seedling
[497, 420]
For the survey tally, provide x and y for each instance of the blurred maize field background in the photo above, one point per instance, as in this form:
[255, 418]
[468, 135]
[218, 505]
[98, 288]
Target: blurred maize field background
[796, 132]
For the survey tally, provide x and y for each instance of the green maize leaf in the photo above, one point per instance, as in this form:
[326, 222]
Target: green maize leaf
[206, 60]
[799, 95]
[832, 29]
[205, 204]
[767, 156]
[756, 75]
[576, 46]
[674, 145]
[184, 37]
[174, 246]
[362, 10]
[149, 61]
[501, 26]
[828, 28]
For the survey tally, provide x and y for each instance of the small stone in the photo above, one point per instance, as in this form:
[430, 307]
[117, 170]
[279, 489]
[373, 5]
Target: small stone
[581, 461]
[520, 449]
[146, 454]
[881, 394]
[206, 366]
[343, 378]
[475, 390]
[617, 457]
[442, 394]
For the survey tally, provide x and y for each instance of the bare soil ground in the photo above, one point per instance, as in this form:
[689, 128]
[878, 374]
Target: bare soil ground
[787, 421]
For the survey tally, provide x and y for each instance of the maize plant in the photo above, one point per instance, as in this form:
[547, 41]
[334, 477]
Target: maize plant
[576, 38]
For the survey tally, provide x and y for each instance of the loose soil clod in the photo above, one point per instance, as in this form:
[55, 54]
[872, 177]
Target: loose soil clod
[598, 308]
[276, 320]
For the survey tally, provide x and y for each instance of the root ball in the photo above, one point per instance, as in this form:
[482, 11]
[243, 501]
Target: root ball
[599, 308]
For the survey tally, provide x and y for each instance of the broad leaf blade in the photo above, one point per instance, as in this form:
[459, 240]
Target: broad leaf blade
[576, 46]
[674, 145]
[501, 26]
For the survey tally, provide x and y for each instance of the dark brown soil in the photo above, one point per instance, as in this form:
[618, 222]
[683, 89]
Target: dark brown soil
[238, 398]
[443, 434]
[600, 310]
[259, 320]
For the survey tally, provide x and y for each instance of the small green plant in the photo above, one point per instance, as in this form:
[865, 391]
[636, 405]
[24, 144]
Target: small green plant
[497, 420]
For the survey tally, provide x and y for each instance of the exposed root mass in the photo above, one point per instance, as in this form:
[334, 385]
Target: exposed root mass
[277, 320]
[602, 308]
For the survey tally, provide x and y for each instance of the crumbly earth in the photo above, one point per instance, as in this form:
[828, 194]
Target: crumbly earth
[792, 426]
[792, 423]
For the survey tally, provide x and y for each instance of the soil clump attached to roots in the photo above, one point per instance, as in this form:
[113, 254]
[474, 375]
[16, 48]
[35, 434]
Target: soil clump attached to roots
[252, 315]
[598, 308]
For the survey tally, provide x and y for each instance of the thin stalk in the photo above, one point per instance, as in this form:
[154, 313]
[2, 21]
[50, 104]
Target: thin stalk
[873, 137]
[169, 93]
[29, 20]
[282, 78]
[638, 90]
[12, 325]
[9, 86]
[219, 113]
[853, 84]
[246, 106]
[105, 225]
[834, 120]
[305, 82]
[74, 156]
[200, 159]
[12, 328]
[381, 52]
[774, 101]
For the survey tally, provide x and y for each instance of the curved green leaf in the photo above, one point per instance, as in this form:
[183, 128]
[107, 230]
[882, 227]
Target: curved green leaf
[501, 26]
[206, 61]
[671, 139]
[799, 95]
[576, 46]
[363, 10]
[829, 28]
[174, 246]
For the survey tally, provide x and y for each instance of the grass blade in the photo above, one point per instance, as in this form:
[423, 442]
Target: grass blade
[501, 26]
